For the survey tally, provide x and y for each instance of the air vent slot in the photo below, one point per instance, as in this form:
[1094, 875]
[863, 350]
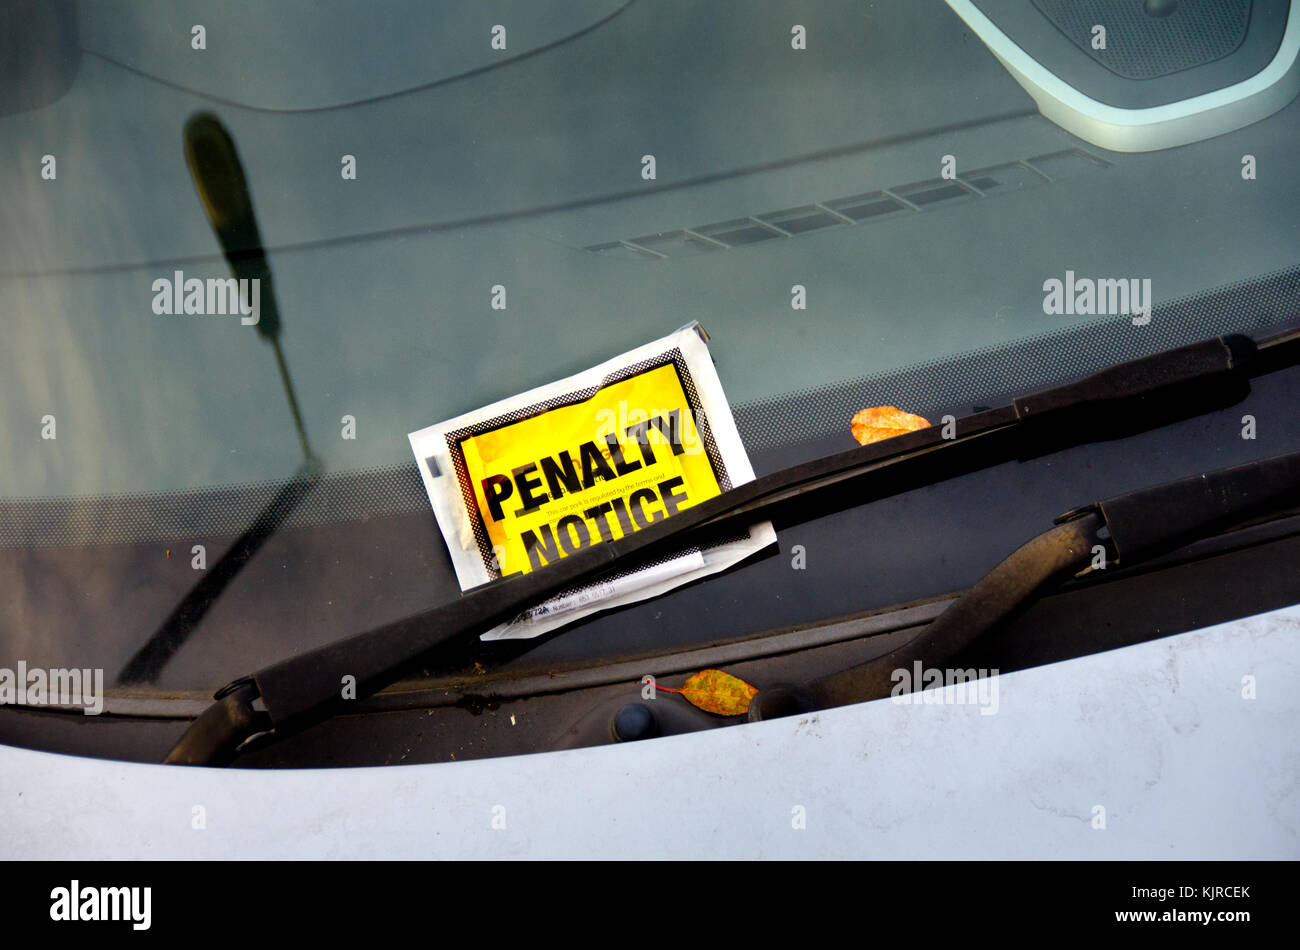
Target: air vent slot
[674, 243]
[1001, 179]
[620, 250]
[1072, 163]
[739, 232]
[862, 207]
[926, 193]
[807, 218]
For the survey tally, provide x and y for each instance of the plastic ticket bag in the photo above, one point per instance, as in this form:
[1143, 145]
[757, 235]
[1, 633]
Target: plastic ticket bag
[527, 481]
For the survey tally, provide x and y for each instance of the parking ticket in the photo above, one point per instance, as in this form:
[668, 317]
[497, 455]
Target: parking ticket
[532, 479]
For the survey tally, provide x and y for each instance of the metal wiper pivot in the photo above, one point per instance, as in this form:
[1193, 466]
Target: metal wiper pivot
[301, 690]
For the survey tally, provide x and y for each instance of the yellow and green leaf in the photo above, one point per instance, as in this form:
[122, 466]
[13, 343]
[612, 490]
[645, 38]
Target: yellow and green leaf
[716, 692]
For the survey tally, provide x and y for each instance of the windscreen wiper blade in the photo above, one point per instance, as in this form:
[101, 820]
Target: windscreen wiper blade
[1140, 394]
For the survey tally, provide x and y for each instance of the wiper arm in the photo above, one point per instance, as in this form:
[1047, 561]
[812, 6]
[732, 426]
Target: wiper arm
[1143, 393]
[1140, 525]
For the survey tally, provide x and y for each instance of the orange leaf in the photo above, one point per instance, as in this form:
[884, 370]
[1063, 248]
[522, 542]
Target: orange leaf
[884, 422]
[716, 692]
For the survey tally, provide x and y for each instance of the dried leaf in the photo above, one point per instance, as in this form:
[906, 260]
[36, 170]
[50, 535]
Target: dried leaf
[716, 692]
[884, 422]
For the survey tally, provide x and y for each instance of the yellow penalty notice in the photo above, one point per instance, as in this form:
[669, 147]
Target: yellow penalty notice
[559, 481]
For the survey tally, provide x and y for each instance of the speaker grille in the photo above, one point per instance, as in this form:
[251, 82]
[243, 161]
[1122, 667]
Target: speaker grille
[1142, 46]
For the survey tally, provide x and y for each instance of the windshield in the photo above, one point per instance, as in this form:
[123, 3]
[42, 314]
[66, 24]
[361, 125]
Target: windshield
[461, 201]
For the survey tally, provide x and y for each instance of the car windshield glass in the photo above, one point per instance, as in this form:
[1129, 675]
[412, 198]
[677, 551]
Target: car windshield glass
[459, 202]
